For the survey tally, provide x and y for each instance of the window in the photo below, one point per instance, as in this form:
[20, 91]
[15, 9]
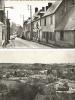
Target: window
[37, 25]
[62, 12]
[61, 35]
[51, 20]
[33, 25]
[44, 35]
[65, 7]
[45, 22]
[40, 22]
[50, 35]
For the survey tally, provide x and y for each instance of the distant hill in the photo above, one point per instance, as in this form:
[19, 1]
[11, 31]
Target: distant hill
[35, 66]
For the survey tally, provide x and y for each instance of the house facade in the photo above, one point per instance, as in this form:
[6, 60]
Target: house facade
[2, 23]
[27, 29]
[36, 30]
[65, 31]
[53, 18]
[54, 24]
[36, 25]
[19, 31]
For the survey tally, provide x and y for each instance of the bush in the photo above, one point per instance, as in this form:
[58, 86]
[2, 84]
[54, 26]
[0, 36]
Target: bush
[3, 87]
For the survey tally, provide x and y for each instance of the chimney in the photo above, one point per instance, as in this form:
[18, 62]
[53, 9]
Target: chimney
[46, 8]
[43, 8]
[36, 9]
[49, 4]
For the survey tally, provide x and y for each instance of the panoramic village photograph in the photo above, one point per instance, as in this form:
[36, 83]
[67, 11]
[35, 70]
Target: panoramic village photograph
[38, 81]
[37, 24]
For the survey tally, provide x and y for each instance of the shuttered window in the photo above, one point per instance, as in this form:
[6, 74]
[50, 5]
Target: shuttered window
[50, 36]
[51, 19]
[44, 35]
[45, 22]
[61, 35]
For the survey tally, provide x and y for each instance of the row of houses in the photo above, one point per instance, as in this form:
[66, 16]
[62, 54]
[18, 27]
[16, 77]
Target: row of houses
[53, 24]
[4, 25]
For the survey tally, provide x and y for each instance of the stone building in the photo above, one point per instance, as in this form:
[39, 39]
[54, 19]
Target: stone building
[58, 24]
[27, 34]
[55, 24]
[2, 23]
[65, 30]
[37, 23]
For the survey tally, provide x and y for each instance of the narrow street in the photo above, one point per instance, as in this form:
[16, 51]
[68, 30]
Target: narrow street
[20, 43]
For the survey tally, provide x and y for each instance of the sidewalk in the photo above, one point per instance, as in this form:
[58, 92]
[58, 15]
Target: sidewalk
[11, 44]
[46, 44]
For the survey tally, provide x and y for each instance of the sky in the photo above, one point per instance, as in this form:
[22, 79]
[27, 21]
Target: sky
[21, 8]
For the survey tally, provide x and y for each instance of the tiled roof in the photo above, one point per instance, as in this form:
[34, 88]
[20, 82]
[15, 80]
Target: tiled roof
[53, 8]
[68, 22]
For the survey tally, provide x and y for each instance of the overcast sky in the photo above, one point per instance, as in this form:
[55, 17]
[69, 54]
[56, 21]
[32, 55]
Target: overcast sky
[21, 8]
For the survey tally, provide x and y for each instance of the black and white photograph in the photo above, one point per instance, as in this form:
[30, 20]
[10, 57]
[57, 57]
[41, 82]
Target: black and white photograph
[37, 55]
[37, 24]
[37, 75]
[37, 81]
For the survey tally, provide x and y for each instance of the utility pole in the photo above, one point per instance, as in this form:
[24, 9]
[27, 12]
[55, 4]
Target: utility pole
[7, 38]
[23, 18]
[31, 37]
[31, 12]
[7, 14]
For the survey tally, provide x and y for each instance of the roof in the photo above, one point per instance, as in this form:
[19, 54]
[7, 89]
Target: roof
[53, 8]
[68, 22]
[37, 15]
[27, 21]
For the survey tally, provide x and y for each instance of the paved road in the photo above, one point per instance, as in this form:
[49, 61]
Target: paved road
[20, 43]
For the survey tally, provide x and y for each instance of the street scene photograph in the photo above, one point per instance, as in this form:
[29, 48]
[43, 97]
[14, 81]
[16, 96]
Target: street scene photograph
[37, 24]
[37, 81]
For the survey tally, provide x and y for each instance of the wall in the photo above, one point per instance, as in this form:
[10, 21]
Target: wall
[2, 10]
[49, 27]
[2, 16]
[1, 4]
[27, 31]
[53, 38]
[0, 35]
[68, 38]
[36, 30]
[62, 11]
